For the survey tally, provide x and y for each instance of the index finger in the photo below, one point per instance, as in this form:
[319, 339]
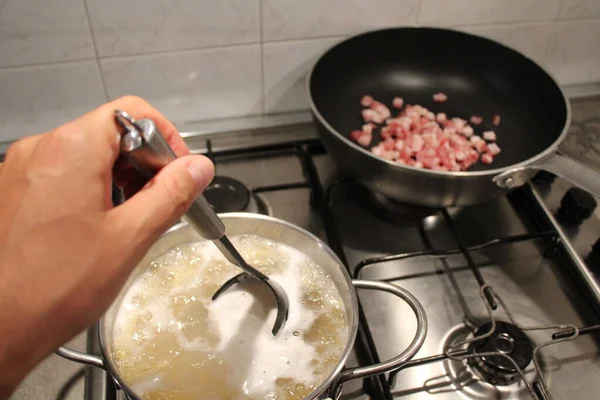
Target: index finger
[100, 123]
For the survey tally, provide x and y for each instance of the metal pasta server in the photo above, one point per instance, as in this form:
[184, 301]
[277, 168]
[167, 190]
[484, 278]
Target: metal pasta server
[146, 149]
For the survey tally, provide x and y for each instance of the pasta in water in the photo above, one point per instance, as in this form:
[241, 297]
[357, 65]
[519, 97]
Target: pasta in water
[171, 341]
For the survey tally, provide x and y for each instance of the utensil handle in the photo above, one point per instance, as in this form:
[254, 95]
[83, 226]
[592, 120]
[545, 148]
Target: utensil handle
[559, 164]
[149, 153]
[81, 358]
[409, 352]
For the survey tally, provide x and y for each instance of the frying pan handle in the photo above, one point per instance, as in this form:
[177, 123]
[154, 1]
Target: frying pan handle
[559, 164]
[409, 352]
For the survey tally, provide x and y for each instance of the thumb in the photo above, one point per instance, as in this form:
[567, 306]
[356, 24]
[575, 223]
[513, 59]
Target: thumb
[164, 199]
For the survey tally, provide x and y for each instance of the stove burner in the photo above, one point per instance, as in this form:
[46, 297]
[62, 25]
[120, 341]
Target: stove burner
[506, 339]
[390, 209]
[466, 376]
[226, 194]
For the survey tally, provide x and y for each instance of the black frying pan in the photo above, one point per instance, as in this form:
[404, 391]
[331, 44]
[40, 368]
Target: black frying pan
[480, 77]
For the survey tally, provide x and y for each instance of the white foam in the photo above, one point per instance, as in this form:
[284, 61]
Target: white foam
[241, 318]
[266, 357]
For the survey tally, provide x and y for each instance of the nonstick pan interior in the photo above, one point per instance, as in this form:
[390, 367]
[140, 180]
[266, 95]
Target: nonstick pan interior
[480, 77]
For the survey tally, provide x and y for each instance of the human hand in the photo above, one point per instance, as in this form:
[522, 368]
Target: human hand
[65, 251]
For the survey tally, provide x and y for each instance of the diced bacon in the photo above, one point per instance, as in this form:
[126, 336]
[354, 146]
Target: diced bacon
[365, 140]
[405, 122]
[457, 141]
[394, 129]
[370, 115]
[366, 101]
[490, 136]
[381, 109]
[355, 135]
[458, 123]
[449, 131]
[480, 146]
[398, 102]
[476, 120]
[493, 149]
[368, 128]
[417, 143]
[487, 158]
[385, 133]
[431, 162]
[420, 138]
[407, 152]
[387, 155]
[440, 97]
[431, 140]
[377, 150]
[389, 144]
[467, 131]
[496, 120]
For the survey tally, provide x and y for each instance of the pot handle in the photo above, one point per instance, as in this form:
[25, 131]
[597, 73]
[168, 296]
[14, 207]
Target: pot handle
[409, 352]
[559, 164]
[81, 358]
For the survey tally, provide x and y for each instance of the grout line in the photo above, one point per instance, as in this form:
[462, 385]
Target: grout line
[179, 51]
[263, 102]
[46, 64]
[100, 69]
[418, 17]
[306, 39]
[546, 54]
[509, 24]
[262, 42]
[558, 9]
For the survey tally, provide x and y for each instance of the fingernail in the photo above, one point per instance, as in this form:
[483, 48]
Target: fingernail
[195, 168]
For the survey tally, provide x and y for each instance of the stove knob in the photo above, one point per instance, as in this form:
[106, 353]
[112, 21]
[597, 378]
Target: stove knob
[576, 205]
[544, 177]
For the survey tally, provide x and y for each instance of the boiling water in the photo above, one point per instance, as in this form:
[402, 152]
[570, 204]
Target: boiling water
[171, 341]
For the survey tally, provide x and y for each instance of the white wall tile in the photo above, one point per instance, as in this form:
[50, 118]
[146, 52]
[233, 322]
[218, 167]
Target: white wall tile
[466, 12]
[36, 99]
[293, 19]
[579, 9]
[286, 68]
[192, 85]
[529, 39]
[574, 53]
[35, 31]
[145, 26]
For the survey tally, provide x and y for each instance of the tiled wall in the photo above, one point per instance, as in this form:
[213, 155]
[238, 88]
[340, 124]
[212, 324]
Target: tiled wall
[206, 59]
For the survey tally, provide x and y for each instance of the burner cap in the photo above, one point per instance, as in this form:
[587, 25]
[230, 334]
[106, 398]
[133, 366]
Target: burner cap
[391, 209]
[226, 194]
[506, 339]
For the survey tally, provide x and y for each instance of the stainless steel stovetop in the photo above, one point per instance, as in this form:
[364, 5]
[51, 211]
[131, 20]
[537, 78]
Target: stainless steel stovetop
[534, 265]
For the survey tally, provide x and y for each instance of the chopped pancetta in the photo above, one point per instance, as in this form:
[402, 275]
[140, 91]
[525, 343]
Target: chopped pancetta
[419, 138]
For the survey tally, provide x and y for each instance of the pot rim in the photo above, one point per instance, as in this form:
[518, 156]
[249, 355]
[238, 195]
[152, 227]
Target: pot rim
[111, 369]
[427, 172]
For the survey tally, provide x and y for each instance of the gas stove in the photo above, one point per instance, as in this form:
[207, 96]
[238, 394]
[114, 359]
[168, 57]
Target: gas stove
[509, 287]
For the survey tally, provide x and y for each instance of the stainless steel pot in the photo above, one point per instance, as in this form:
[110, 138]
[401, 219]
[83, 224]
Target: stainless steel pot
[300, 239]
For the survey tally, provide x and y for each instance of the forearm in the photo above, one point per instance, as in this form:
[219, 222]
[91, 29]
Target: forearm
[31, 324]
[19, 350]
